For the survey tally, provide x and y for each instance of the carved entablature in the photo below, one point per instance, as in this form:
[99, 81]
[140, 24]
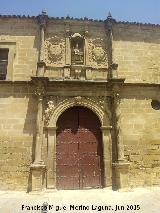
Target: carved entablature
[54, 51]
[57, 104]
[97, 52]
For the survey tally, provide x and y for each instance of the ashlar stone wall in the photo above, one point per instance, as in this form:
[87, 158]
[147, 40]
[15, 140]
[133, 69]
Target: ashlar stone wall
[141, 135]
[136, 49]
[21, 36]
[18, 110]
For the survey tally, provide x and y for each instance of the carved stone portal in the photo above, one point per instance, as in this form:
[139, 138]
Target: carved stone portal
[57, 104]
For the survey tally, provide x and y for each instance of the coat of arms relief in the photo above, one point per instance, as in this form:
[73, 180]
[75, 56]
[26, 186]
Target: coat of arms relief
[54, 53]
[54, 50]
[97, 52]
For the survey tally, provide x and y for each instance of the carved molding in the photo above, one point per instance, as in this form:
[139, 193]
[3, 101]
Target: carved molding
[59, 103]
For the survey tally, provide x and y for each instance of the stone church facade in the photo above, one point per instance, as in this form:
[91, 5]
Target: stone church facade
[79, 103]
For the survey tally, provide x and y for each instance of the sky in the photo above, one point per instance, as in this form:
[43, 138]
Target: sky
[146, 11]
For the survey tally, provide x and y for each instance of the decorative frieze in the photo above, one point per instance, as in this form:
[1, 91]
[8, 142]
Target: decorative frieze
[53, 102]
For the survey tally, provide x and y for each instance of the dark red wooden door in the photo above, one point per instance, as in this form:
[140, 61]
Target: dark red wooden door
[78, 150]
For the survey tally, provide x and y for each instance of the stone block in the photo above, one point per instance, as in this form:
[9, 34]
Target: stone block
[38, 175]
[121, 175]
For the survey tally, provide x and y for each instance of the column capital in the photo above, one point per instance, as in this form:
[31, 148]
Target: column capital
[116, 85]
[40, 84]
[116, 98]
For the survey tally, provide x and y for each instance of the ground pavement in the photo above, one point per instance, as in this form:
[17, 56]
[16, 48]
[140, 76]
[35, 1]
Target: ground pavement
[139, 200]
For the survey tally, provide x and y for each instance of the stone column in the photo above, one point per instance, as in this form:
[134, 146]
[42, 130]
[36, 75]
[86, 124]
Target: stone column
[38, 167]
[107, 155]
[39, 126]
[42, 21]
[51, 161]
[67, 68]
[120, 145]
[121, 166]
[86, 47]
[41, 55]
[68, 46]
[86, 54]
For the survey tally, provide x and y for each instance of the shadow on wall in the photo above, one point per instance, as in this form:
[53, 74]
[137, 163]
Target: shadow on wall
[30, 121]
[30, 128]
[18, 112]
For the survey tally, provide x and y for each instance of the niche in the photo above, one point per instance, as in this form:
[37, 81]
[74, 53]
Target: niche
[77, 49]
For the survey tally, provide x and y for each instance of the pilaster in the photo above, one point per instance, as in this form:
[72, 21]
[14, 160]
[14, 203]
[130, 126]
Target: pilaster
[107, 155]
[121, 166]
[112, 66]
[38, 167]
[68, 48]
[51, 157]
[86, 46]
[42, 21]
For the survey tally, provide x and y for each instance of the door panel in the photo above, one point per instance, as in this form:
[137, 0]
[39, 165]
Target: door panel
[67, 182]
[78, 150]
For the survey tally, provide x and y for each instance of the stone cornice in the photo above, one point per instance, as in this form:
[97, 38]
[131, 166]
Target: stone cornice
[85, 20]
[68, 81]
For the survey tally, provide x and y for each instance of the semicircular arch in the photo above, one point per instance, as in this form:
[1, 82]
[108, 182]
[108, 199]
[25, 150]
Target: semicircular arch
[68, 103]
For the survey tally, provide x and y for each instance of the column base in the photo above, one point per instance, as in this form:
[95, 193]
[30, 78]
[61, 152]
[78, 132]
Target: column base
[120, 171]
[38, 176]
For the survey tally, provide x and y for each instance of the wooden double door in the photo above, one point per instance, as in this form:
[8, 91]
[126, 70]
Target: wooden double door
[79, 163]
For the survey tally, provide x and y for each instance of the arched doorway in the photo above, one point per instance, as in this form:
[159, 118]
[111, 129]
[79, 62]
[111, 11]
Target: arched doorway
[79, 163]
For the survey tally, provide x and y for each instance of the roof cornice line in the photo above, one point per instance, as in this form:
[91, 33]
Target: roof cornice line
[77, 19]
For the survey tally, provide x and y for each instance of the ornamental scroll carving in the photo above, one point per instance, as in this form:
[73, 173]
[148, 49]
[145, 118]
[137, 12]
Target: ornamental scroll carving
[54, 50]
[54, 102]
[97, 52]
